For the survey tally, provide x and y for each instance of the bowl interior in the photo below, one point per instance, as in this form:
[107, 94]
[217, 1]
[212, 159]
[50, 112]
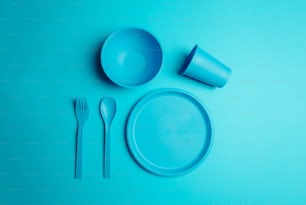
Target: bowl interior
[131, 57]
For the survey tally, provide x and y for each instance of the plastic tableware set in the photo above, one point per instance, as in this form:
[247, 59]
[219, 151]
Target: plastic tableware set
[168, 131]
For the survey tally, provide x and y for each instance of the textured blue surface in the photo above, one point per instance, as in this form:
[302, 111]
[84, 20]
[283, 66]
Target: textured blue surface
[49, 54]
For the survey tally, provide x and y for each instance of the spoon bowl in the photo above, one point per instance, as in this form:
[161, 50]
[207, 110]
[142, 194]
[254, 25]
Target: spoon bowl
[108, 109]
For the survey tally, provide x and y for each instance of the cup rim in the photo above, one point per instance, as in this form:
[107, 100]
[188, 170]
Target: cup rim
[188, 59]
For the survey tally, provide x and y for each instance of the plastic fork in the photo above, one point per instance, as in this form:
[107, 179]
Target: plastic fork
[81, 113]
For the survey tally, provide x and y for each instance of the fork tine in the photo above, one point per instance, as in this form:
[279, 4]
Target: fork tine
[77, 103]
[85, 104]
[80, 103]
[84, 101]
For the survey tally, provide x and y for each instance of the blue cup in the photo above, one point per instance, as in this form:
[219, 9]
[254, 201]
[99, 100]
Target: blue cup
[203, 67]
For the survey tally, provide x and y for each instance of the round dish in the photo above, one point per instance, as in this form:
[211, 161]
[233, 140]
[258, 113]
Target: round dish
[169, 132]
[131, 57]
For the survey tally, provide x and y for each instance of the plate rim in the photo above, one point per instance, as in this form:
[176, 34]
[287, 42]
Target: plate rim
[136, 109]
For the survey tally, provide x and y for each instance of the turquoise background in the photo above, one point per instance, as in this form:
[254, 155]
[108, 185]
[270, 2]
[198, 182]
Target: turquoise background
[49, 53]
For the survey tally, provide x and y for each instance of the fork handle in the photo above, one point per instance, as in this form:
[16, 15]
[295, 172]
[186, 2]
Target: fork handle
[107, 163]
[79, 154]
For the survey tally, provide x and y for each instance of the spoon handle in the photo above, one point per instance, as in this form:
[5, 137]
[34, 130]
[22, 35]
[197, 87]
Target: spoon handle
[107, 168]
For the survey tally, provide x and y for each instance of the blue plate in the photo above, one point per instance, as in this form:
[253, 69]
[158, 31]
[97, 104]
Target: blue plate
[169, 132]
[131, 57]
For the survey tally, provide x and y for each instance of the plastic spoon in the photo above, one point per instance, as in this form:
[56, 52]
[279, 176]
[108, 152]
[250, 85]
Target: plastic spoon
[108, 111]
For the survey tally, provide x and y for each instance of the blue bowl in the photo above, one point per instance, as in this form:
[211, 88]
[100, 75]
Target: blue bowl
[131, 57]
